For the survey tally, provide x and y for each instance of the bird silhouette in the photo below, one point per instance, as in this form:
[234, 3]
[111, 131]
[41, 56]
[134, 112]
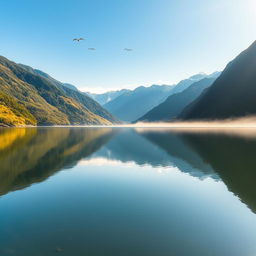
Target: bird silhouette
[128, 49]
[94, 49]
[78, 39]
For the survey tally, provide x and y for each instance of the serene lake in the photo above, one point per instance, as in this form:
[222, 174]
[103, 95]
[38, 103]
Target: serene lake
[125, 191]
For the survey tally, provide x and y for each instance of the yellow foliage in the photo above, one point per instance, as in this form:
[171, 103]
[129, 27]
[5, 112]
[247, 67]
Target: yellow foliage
[8, 117]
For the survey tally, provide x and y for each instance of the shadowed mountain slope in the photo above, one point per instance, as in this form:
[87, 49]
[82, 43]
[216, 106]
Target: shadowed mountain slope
[232, 95]
[175, 103]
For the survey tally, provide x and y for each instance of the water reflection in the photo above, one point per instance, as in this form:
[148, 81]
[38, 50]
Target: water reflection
[33, 154]
[230, 154]
[121, 205]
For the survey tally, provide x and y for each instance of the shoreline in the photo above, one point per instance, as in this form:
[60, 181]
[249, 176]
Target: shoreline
[239, 123]
[171, 127]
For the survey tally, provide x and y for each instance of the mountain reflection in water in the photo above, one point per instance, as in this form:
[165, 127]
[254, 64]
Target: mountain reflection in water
[127, 192]
[31, 155]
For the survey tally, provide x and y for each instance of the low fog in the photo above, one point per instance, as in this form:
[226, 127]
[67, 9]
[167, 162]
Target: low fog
[244, 122]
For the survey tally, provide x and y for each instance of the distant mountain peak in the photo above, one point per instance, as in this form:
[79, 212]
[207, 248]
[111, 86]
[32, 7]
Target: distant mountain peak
[200, 75]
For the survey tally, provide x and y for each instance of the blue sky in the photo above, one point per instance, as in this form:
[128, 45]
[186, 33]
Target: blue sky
[172, 39]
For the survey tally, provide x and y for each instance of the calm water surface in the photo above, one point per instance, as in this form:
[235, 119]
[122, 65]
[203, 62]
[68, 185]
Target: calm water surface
[115, 192]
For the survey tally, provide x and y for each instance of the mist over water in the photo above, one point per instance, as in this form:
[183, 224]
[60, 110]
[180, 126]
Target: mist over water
[244, 122]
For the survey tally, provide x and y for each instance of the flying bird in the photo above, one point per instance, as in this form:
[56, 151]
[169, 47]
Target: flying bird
[78, 39]
[128, 49]
[91, 49]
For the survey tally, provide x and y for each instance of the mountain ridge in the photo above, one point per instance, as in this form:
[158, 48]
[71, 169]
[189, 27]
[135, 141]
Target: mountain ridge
[233, 93]
[175, 103]
[132, 105]
[47, 103]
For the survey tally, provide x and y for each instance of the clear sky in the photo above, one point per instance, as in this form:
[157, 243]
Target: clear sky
[172, 39]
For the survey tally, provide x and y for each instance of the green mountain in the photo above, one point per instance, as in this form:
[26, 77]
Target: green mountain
[233, 94]
[29, 97]
[175, 103]
[72, 92]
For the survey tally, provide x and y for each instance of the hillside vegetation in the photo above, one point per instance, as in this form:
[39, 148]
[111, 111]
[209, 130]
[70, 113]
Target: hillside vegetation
[38, 100]
[13, 114]
[72, 92]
